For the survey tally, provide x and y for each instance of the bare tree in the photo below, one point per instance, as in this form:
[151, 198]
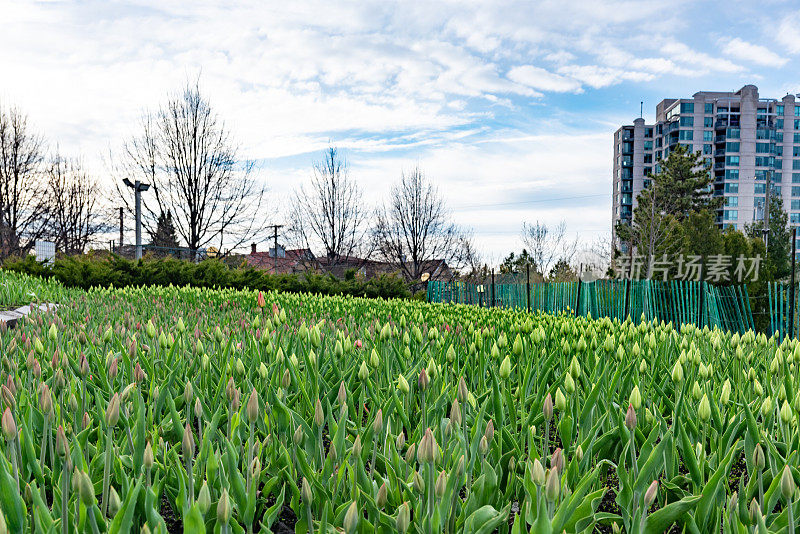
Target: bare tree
[186, 152]
[414, 229]
[75, 217]
[23, 210]
[547, 245]
[330, 214]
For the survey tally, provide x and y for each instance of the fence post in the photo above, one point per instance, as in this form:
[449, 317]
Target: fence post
[578, 296]
[791, 288]
[528, 286]
[492, 288]
[702, 291]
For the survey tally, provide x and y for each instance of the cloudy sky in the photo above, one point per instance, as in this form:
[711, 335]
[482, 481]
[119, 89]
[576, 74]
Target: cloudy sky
[508, 106]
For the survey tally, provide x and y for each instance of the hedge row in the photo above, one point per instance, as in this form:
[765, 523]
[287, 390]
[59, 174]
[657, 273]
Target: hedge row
[111, 270]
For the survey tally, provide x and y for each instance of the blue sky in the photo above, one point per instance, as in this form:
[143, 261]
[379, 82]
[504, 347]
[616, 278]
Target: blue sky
[508, 106]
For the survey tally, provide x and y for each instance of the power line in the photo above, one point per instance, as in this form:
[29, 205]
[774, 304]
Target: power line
[522, 202]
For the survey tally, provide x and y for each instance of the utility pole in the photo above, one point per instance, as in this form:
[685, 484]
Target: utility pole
[138, 187]
[765, 230]
[275, 246]
[121, 226]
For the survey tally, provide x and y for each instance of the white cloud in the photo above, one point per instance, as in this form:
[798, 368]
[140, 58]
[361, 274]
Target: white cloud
[391, 81]
[754, 53]
[788, 33]
[542, 79]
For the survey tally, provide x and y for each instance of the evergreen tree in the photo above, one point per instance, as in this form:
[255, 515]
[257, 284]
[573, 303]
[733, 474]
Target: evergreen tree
[513, 264]
[165, 235]
[779, 238]
[562, 272]
[680, 191]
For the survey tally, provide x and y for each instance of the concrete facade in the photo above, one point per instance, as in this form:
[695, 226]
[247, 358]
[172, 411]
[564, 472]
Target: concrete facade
[746, 142]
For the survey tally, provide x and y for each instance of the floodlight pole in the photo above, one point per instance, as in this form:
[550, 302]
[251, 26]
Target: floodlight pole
[138, 187]
[138, 195]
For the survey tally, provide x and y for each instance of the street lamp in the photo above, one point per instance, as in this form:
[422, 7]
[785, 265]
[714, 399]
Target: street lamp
[137, 187]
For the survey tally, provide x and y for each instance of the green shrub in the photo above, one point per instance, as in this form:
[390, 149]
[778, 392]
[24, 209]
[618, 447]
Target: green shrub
[108, 270]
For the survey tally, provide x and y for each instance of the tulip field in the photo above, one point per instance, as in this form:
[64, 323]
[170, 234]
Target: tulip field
[221, 411]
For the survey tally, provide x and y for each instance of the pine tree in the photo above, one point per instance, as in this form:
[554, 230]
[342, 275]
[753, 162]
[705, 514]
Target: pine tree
[681, 188]
[165, 235]
[779, 238]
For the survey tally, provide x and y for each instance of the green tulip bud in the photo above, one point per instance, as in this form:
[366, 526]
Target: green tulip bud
[677, 373]
[505, 368]
[787, 484]
[351, 518]
[537, 473]
[552, 485]
[704, 410]
[403, 518]
[561, 401]
[402, 385]
[204, 499]
[224, 508]
[635, 398]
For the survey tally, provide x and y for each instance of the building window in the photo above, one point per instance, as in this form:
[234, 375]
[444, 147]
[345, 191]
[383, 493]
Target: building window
[779, 109]
[796, 177]
[731, 174]
[732, 161]
[797, 123]
[708, 122]
[779, 150]
[764, 161]
[797, 111]
[687, 121]
[648, 158]
[795, 205]
[777, 163]
[762, 148]
[733, 133]
[779, 137]
[732, 188]
[648, 133]
[707, 149]
[796, 164]
[760, 189]
[685, 135]
[777, 177]
[794, 218]
[708, 135]
[709, 107]
[687, 107]
[689, 148]
[761, 174]
[648, 145]
[732, 202]
[658, 155]
[764, 133]
[732, 147]
[648, 171]
[779, 124]
[796, 191]
[796, 151]
[731, 215]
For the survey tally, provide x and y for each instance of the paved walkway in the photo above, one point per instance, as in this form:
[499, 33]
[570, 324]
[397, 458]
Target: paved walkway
[10, 317]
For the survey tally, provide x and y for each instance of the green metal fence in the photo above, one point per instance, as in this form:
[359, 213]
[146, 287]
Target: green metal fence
[779, 296]
[679, 302]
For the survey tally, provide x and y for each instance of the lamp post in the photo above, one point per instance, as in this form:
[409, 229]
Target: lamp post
[138, 187]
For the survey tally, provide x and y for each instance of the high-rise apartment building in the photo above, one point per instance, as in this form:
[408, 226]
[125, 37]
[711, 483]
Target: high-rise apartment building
[746, 141]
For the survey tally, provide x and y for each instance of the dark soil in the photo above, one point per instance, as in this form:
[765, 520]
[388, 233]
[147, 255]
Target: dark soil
[174, 525]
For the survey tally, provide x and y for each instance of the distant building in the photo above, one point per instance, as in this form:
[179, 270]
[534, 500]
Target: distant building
[303, 260]
[286, 262]
[746, 141]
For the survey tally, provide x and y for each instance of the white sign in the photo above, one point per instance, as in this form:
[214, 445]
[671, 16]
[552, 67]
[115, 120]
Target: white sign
[45, 251]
